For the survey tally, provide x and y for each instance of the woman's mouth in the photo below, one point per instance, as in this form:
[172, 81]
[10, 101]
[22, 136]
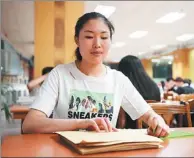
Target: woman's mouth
[96, 53]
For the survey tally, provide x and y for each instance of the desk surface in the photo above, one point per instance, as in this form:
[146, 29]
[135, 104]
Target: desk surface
[49, 145]
[19, 108]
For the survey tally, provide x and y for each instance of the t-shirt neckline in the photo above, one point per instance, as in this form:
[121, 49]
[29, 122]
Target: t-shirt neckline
[89, 78]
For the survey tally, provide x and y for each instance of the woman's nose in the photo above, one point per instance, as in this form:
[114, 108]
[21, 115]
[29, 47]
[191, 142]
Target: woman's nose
[97, 43]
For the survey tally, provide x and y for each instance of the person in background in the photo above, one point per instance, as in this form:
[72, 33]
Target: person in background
[189, 82]
[132, 68]
[170, 85]
[163, 85]
[88, 76]
[183, 88]
[162, 88]
[34, 85]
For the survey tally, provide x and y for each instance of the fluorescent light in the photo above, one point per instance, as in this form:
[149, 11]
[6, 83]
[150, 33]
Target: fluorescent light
[185, 37]
[140, 53]
[169, 57]
[116, 60]
[170, 17]
[138, 34]
[170, 62]
[155, 60]
[118, 44]
[156, 47]
[107, 11]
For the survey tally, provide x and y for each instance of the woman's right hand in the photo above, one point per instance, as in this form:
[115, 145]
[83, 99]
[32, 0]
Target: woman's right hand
[96, 124]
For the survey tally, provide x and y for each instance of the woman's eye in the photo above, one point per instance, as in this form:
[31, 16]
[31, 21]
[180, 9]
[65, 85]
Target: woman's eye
[104, 38]
[88, 37]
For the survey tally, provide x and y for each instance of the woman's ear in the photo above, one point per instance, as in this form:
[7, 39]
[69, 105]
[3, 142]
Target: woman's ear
[76, 41]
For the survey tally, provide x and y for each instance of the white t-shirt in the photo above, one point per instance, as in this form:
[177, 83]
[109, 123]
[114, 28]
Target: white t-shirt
[70, 94]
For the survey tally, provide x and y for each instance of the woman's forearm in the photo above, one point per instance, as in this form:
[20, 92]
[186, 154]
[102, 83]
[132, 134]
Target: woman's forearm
[47, 125]
[36, 82]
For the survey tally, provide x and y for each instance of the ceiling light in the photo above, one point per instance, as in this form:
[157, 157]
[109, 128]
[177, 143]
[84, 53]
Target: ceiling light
[170, 62]
[138, 34]
[118, 44]
[107, 11]
[155, 60]
[140, 53]
[169, 57]
[116, 60]
[170, 17]
[156, 47]
[185, 37]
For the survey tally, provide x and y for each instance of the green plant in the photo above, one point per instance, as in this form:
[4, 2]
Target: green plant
[4, 103]
[5, 108]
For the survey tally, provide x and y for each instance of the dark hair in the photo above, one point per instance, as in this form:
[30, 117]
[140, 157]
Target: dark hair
[83, 20]
[188, 81]
[46, 70]
[132, 67]
[163, 84]
[179, 79]
[169, 79]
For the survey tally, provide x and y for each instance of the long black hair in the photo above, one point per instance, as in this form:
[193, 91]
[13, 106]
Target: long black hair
[83, 20]
[132, 67]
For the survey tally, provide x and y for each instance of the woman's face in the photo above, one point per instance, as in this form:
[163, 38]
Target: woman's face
[94, 41]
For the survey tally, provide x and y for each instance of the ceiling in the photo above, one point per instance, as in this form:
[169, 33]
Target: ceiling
[18, 25]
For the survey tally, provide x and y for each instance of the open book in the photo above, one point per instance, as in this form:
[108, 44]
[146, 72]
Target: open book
[88, 142]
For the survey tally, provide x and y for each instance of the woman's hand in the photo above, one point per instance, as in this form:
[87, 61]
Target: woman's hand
[157, 127]
[96, 124]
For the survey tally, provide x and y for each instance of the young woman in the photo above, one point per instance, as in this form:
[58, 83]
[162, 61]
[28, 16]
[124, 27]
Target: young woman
[89, 79]
[132, 67]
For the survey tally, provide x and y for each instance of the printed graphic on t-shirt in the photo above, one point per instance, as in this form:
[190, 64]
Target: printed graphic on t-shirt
[85, 104]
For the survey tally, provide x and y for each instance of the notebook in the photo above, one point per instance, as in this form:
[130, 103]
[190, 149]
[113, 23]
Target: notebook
[179, 134]
[90, 142]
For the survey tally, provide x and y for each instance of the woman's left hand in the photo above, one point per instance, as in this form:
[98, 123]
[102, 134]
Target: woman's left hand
[158, 127]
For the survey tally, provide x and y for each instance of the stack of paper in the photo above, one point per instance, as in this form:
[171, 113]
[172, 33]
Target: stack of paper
[87, 142]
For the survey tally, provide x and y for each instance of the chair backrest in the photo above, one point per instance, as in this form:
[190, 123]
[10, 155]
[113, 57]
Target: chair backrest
[184, 97]
[122, 121]
[167, 112]
[167, 95]
[151, 101]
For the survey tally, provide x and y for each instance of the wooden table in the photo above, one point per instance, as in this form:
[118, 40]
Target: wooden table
[19, 111]
[49, 145]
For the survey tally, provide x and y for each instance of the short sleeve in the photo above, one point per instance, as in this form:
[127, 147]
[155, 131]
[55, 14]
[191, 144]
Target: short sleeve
[48, 94]
[132, 102]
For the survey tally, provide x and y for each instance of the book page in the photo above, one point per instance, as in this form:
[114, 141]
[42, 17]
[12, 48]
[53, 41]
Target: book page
[130, 135]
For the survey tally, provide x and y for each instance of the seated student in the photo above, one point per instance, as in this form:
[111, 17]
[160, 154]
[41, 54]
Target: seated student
[182, 88]
[34, 85]
[189, 82]
[132, 68]
[101, 90]
[170, 85]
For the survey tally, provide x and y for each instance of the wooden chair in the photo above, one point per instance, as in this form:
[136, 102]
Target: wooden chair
[167, 112]
[121, 122]
[151, 101]
[185, 98]
[167, 95]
